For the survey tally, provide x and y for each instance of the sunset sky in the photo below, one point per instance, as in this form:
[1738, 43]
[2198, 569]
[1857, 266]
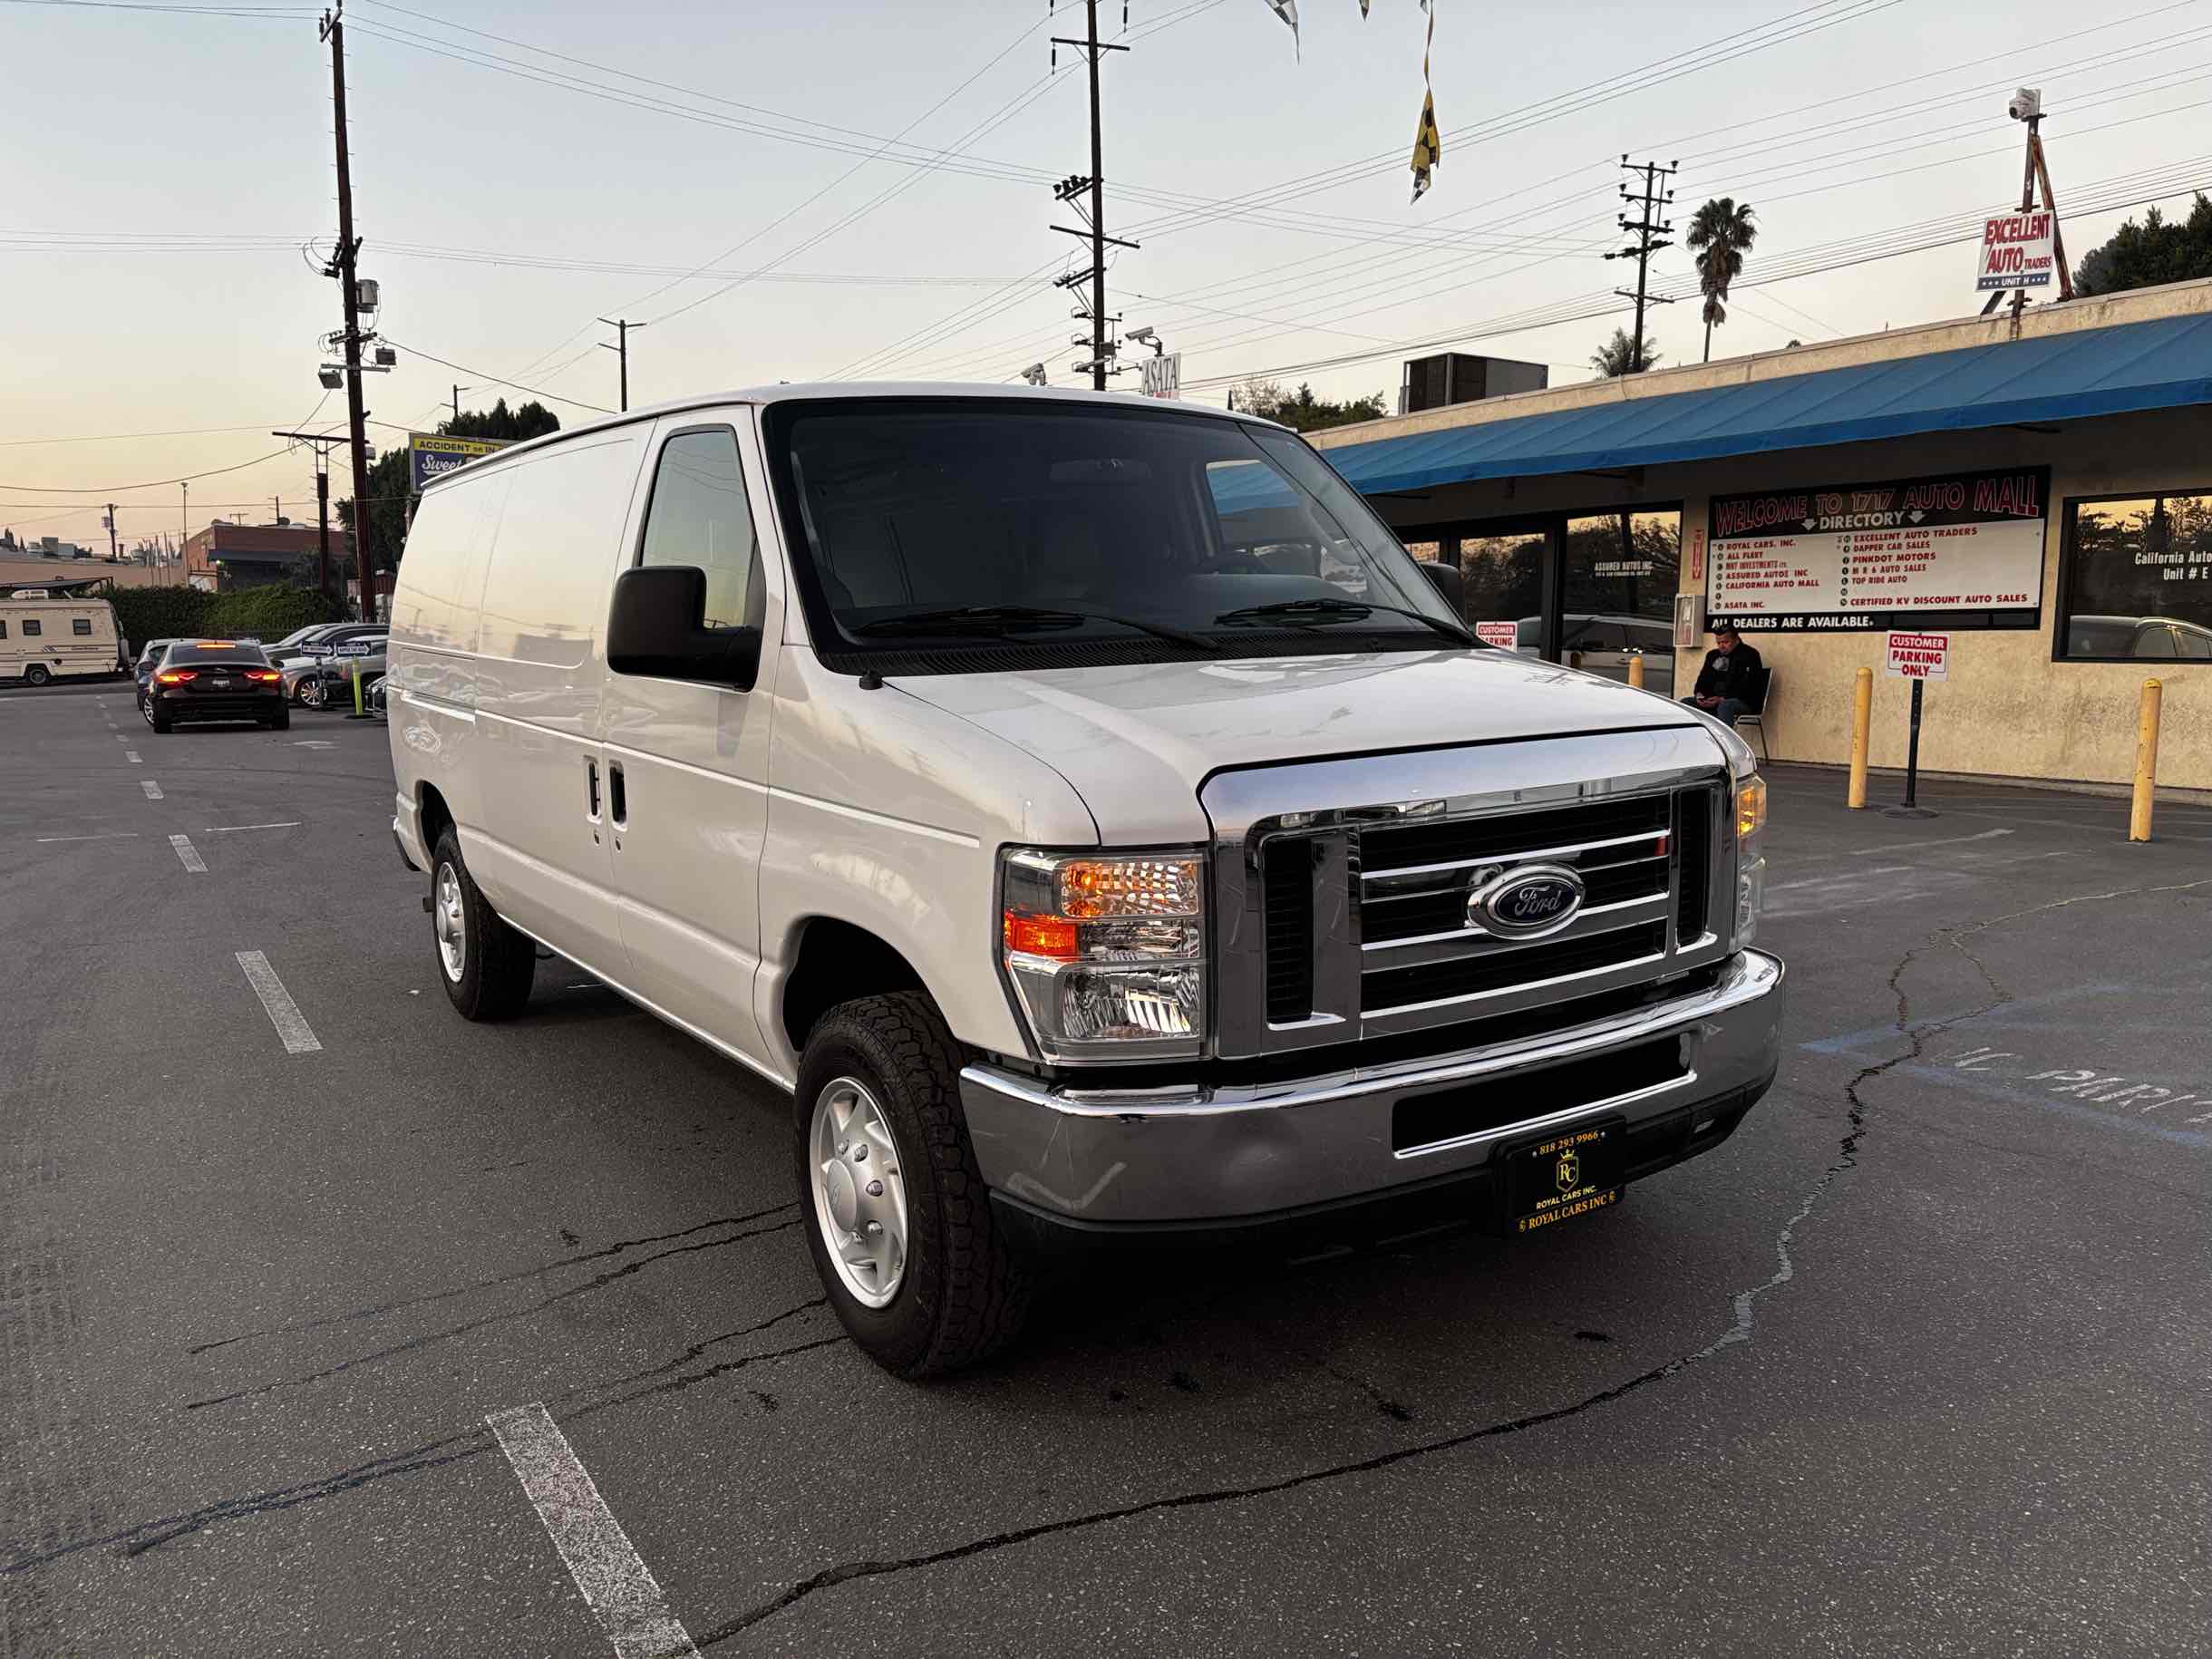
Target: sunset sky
[169, 191]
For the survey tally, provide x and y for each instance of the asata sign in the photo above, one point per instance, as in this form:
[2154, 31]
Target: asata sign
[1163, 376]
[2019, 250]
[1919, 656]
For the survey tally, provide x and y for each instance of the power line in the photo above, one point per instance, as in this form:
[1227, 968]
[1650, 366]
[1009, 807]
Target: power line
[158, 483]
[462, 368]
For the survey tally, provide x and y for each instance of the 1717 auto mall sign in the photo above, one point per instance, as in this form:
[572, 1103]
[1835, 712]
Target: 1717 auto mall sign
[1956, 550]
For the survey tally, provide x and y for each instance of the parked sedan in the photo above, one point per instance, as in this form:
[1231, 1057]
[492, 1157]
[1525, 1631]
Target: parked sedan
[216, 679]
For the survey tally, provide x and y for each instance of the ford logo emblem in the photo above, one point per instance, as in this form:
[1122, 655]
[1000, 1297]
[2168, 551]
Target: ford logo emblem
[1536, 898]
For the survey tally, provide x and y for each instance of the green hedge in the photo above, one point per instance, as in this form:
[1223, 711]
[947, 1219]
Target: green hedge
[173, 613]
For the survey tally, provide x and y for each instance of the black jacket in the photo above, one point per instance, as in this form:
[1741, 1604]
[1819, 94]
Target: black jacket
[1732, 674]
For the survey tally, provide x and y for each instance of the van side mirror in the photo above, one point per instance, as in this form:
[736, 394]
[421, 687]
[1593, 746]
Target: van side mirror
[1448, 581]
[657, 626]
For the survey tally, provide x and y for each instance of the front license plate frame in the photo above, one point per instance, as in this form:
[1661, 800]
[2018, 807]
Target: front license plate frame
[1570, 1173]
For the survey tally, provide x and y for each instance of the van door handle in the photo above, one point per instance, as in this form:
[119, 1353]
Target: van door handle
[617, 800]
[591, 789]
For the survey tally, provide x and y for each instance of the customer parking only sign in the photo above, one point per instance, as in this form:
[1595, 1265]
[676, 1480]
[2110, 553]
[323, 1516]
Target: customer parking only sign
[1920, 656]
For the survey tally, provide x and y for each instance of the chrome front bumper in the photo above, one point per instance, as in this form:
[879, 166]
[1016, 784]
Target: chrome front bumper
[1093, 1155]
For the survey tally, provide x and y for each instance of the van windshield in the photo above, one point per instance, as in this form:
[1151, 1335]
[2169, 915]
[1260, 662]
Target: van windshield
[959, 535]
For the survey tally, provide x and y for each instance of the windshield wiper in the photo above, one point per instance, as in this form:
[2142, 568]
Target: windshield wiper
[1338, 610]
[987, 619]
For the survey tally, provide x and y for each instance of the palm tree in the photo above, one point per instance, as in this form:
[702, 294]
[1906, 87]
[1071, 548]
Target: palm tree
[1618, 356]
[1720, 235]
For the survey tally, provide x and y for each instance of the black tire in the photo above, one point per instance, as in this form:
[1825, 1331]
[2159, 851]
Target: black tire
[37, 673]
[281, 721]
[496, 964]
[161, 723]
[964, 1291]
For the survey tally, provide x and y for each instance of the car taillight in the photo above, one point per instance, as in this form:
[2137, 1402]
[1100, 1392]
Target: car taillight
[175, 676]
[263, 674]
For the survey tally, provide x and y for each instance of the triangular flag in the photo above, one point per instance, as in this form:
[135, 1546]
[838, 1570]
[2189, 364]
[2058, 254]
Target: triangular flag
[1428, 146]
[1287, 10]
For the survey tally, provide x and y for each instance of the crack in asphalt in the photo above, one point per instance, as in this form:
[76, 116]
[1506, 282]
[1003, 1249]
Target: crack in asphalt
[617, 1248]
[1739, 1332]
[415, 1343]
[142, 1536]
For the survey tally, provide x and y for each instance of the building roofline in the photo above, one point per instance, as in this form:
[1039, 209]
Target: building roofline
[2075, 316]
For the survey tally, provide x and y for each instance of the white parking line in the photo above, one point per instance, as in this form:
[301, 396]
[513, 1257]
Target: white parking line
[284, 1012]
[290, 823]
[132, 755]
[109, 834]
[189, 855]
[153, 790]
[619, 1588]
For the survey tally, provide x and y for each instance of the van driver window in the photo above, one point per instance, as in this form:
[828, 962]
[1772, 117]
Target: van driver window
[699, 515]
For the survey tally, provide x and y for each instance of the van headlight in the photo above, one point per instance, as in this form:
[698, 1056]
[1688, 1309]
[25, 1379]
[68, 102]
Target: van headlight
[1107, 955]
[1750, 858]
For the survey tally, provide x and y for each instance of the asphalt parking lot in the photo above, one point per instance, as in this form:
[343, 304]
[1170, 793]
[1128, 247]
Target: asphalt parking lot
[1915, 1363]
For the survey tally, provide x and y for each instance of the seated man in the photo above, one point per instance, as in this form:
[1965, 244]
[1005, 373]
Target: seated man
[1724, 684]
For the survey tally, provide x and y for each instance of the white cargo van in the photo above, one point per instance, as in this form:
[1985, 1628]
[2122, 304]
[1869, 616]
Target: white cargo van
[1080, 868]
[52, 639]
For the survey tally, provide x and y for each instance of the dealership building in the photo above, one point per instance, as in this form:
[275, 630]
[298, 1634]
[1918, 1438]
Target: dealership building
[2037, 492]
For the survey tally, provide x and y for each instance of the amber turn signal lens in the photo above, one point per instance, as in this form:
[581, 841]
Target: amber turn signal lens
[1041, 936]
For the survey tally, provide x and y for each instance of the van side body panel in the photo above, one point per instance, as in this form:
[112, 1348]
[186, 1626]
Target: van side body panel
[431, 657]
[534, 844]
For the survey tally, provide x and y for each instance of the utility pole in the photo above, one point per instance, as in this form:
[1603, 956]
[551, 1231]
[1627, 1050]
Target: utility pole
[113, 552]
[622, 326]
[1102, 349]
[320, 442]
[345, 268]
[1650, 228]
[457, 392]
[184, 546]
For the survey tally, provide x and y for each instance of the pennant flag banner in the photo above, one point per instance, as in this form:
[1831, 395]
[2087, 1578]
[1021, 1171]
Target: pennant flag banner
[1428, 142]
[1287, 10]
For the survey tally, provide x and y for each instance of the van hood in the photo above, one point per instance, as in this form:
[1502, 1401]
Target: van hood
[1136, 740]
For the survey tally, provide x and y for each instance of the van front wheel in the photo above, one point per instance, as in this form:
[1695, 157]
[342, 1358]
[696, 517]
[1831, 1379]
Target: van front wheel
[37, 673]
[899, 1223]
[485, 965]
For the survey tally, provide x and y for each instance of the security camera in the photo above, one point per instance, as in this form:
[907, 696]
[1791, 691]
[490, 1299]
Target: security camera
[1142, 336]
[2026, 104]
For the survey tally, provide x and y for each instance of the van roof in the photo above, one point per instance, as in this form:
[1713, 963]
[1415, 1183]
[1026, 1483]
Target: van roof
[812, 390]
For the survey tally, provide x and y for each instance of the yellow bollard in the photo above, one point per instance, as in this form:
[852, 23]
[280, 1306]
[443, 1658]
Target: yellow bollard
[1862, 719]
[356, 691]
[1635, 669]
[2146, 761]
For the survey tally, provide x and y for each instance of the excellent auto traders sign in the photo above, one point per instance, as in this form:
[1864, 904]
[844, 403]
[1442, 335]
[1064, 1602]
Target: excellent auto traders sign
[1957, 551]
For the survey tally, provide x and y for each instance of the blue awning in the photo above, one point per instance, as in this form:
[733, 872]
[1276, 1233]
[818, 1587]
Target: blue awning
[2164, 364]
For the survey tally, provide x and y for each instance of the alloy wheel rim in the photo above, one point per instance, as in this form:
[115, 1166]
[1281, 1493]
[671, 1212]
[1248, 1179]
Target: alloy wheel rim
[860, 1194]
[450, 923]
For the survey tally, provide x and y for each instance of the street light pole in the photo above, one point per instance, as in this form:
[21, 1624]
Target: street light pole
[621, 348]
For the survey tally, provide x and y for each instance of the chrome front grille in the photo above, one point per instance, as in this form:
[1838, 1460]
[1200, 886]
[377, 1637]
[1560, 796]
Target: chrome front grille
[1346, 921]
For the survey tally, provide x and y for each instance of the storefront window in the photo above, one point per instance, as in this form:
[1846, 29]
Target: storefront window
[1505, 585]
[2139, 578]
[1621, 576]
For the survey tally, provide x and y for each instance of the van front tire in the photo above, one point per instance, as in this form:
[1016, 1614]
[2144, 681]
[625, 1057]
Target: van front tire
[37, 673]
[962, 1291]
[485, 966]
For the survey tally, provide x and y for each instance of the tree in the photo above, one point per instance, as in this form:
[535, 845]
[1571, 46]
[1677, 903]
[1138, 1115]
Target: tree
[390, 482]
[1720, 235]
[1618, 356]
[2153, 252]
[1301, 411]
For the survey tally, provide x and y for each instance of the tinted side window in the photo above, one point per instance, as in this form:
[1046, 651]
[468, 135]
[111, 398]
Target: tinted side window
[2, 630]
[80, 624]
[31, 626]
[699, 515]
